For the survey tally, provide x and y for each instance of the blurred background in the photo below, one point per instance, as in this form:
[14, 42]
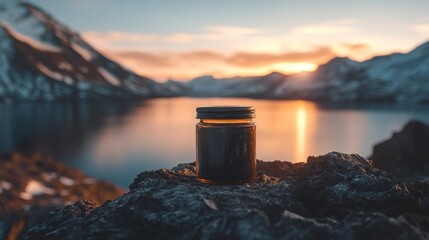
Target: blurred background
[110, 87]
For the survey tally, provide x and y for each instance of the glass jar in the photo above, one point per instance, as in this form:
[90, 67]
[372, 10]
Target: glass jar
[226, 144]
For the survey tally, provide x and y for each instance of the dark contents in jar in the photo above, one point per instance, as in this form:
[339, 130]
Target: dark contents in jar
[226, 152]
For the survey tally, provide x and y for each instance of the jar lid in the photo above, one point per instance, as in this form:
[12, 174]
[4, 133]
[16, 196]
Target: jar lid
[226, 112]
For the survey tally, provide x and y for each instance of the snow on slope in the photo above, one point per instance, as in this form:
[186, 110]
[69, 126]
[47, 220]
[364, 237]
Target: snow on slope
[390, 78]
[233, 87]
[41, 58]
[399, 77]
[32, 42]
[19, 17]
[46, 60]
[109, 77]
[82, 51]
[48, 72]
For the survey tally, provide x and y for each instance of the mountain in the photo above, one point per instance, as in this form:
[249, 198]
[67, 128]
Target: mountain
[391, 78]
[208, 86]
[235, 86]
[42, 59]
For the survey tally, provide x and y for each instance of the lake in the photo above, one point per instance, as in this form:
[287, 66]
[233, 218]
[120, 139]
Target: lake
[115, 140]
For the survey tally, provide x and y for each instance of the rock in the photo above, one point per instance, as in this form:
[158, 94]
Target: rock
[406, 154]
[334, 196]
[31, 186]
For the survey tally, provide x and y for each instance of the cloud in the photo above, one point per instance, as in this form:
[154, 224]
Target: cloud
[115, 36]
[186, 65]
[208, 33]
[203, 55]
[358, 51]
[227, 50]
[144, 58]
[239, 59]
[356, 47]
[422, 29]
[259, 59]
[176, 65]
[325, 28]
[168, 59]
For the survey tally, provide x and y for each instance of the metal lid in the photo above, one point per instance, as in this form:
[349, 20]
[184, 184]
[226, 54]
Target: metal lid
[226, 112]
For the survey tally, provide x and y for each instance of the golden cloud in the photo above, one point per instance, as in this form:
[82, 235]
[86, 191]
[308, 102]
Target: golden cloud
[148, 59]
[208, 33]
[239, 59]
[357, 47]
[260, 59]
[114, 36]
[186, 65]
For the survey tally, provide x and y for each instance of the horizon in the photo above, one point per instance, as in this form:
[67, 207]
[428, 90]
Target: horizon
[142, 37]
[334, 57]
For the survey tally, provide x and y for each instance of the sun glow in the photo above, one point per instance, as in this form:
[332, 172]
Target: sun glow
[294, 67]
[301, 127]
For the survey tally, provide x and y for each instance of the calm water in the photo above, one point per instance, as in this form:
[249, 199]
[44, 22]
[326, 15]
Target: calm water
[117, 140]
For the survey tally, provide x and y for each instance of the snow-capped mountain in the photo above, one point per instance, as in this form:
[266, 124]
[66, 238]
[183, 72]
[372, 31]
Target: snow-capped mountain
[208, 86]
[42, 59]
[391, 78]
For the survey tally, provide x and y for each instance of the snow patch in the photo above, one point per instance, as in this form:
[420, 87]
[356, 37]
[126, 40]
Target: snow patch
[67, 181]
[65, 66]
[5, 186]
[32, 42]
[210, 204]
[68, 80]
[26, 23]
[49, 73]
[109, 77]
[49, 176]
[84, 53]
[35, 188]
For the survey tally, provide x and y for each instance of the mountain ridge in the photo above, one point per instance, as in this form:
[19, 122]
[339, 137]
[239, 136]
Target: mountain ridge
[43, 59]
[397, 77]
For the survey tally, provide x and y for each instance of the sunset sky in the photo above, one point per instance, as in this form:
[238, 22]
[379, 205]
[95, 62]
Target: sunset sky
[184, 39]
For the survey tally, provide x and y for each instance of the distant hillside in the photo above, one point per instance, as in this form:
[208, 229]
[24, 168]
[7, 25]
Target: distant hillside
[391, 78]
[42, 59]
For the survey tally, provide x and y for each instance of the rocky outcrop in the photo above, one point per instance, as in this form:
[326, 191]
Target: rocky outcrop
[31, 186]
[335, 196]
[406, 153]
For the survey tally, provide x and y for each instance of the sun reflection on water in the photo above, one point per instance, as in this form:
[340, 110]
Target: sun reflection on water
[117, 140]
[301, 126]
[284, 131]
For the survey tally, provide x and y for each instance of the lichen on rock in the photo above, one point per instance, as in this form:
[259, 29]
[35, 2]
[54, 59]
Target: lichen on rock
[334, 196]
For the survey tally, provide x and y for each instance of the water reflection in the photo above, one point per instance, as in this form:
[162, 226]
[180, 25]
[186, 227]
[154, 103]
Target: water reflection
[58, 128]
[301, 126]
[117, 140]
